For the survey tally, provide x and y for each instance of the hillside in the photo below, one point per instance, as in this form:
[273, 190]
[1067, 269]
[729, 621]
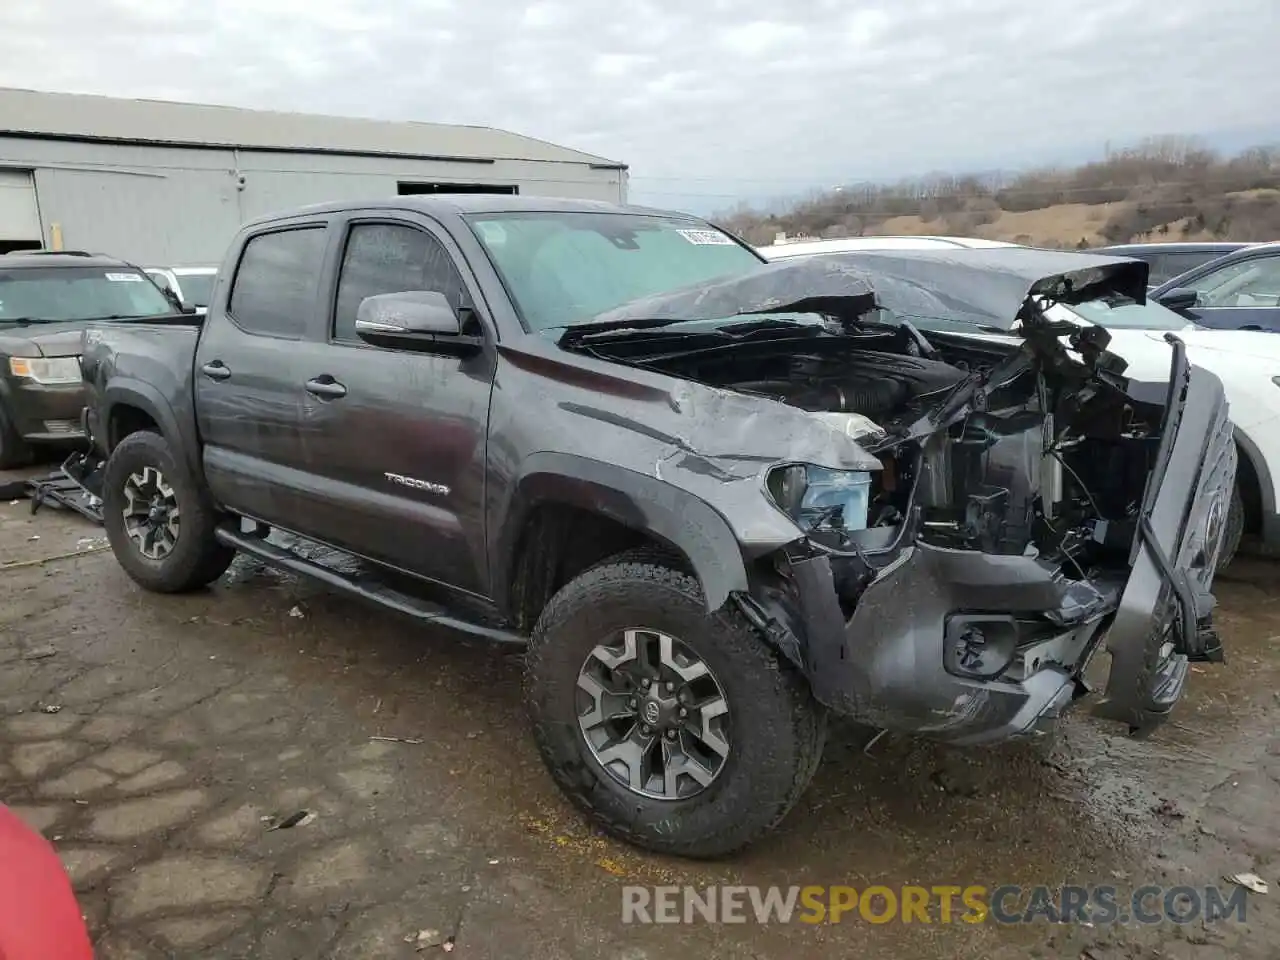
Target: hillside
[1170, 188]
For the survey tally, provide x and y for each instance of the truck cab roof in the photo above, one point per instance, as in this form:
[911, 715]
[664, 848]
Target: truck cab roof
[463, 204]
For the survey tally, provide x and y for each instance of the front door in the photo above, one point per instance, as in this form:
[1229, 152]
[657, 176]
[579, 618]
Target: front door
[396, 439]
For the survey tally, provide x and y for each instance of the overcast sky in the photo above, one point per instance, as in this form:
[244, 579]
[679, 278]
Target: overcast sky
[705, 99]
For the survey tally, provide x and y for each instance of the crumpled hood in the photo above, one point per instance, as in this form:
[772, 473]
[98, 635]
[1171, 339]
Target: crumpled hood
[986, 286]
[41, 340]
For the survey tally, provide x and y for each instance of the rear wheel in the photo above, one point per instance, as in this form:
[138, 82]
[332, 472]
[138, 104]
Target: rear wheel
[677, 731]
[14, 452]
[159, 520]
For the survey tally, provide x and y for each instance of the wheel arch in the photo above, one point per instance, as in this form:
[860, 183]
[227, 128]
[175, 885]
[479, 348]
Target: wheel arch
[130, 405]
[1257, 490]
[629, 509]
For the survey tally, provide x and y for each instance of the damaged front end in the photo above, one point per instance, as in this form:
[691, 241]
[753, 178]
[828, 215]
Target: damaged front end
[1018, 508]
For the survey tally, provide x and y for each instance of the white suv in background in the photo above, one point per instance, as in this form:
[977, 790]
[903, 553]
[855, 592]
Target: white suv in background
[192, 284]
[804, 248]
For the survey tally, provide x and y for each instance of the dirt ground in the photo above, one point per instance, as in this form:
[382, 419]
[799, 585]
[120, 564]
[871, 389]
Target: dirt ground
[188, 726]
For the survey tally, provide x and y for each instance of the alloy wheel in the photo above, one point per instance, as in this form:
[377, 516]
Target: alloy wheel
[653, 714]
[151, 513]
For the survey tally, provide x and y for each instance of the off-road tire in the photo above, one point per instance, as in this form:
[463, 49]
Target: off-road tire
[1234, 531]
[14, 452]
[197, 558]
[777, 728]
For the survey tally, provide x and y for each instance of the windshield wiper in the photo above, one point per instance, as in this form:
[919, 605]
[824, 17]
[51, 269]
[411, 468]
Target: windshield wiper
[24, 321]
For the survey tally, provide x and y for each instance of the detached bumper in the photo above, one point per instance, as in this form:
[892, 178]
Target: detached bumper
[960, 646]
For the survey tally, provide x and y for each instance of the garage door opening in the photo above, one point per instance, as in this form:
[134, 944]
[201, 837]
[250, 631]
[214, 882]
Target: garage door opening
[12, 246]
[19, 212]
[419, 189]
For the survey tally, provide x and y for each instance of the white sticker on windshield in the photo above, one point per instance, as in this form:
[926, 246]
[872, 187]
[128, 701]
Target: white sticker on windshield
[705, 238]
[125, 277]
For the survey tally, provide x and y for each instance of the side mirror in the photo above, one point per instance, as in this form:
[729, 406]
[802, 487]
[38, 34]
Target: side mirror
[1179, 298]
[412, 320]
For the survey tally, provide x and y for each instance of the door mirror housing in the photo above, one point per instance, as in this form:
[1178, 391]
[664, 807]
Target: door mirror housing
[1179, 298]
[412, 320]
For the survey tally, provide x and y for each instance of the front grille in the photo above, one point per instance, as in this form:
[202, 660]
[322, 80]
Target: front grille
[61, 426]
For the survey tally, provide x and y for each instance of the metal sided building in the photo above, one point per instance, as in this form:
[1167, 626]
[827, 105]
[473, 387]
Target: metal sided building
[168, 183]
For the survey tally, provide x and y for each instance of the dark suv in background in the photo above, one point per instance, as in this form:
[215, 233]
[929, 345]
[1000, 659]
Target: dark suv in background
[45, 301]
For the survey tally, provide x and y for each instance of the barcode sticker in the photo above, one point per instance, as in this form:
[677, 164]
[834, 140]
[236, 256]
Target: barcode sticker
[125, 277]
[705, 238]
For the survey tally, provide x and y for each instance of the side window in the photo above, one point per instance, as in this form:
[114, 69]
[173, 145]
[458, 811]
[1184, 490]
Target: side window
[390, 258]
[274, 289]
[1253, 283]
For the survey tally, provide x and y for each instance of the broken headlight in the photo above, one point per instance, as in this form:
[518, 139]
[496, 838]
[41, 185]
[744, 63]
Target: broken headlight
[818, 498]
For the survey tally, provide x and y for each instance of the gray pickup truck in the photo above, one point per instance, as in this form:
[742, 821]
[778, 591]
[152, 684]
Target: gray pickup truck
[717, 498]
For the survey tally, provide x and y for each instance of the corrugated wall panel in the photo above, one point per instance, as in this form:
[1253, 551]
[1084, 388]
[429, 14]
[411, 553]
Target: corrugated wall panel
[182, 216]
[166, 205]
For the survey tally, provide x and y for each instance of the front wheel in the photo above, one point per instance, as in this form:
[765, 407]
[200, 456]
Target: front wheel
[160, 522]
[1233, 530]
[677, 731]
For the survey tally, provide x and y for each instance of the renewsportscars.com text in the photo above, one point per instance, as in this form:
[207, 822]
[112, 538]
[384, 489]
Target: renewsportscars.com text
[1007, 904]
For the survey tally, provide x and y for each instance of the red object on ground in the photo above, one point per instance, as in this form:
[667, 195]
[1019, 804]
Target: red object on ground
[39, 916]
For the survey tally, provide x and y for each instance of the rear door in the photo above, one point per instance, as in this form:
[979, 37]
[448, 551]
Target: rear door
[394, 441]
[1241, 295]
[248, 373]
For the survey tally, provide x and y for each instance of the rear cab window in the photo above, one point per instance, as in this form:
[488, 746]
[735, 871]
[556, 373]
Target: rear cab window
[273, 293]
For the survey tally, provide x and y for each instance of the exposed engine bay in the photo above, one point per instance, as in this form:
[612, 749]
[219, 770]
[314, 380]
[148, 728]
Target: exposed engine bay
[989, 445]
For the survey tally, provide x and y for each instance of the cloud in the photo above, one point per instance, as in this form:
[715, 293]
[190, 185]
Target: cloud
[706, 101]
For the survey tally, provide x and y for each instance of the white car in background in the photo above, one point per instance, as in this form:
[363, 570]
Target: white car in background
[803, 248]
[1246, 361]
[192, 285]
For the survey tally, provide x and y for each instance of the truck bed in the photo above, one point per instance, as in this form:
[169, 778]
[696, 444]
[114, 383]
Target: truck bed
[124, 361]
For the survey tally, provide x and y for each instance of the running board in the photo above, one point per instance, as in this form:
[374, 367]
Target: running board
[422, 610]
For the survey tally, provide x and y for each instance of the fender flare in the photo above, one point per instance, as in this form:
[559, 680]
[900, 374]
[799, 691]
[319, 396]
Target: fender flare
[635, 500]
[145, 397]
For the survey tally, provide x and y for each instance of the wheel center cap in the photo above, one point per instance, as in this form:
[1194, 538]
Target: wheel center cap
[652, 712]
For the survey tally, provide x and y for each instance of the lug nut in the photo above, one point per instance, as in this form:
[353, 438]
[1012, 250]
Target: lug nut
[645, 728]
[670, 687]
[645, 683]
[671, 734]
[683, 712]
[632, 703]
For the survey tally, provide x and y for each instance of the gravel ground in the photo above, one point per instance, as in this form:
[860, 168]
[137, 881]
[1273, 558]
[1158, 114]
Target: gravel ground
[187, 727]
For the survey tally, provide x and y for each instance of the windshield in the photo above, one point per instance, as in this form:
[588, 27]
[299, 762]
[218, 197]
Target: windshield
[52, 294]
[196, 287]
[566, 268]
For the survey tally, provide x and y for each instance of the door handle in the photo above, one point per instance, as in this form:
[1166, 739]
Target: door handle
[216, 370]
[326, 388]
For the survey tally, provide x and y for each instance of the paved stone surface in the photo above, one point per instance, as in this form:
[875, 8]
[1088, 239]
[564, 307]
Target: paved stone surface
[190, 726]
